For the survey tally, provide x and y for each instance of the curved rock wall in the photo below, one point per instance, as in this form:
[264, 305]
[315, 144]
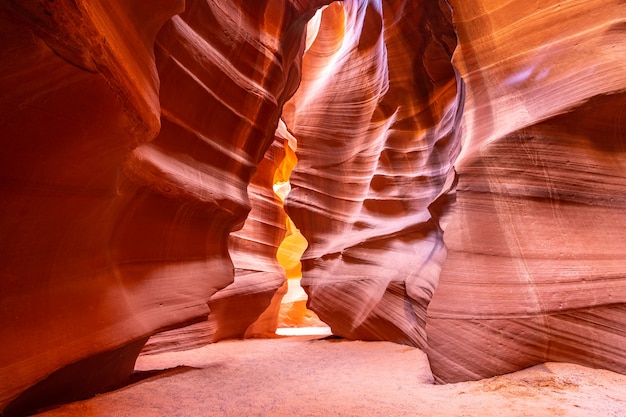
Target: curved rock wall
[376, 121]
[535, 266]
[257, 273]
[124, 169]
[79, 91]
[131, 132]
[253, 249]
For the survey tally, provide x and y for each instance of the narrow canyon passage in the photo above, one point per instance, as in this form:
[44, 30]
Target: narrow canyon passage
[294, 318]
[459, 191]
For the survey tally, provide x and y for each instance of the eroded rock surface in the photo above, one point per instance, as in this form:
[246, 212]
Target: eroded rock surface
[135, 140]
[126, 159]
[80, 90]
[536, 245]
[376, 120]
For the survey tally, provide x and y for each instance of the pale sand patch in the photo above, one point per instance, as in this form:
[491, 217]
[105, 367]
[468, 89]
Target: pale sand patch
[304, 376]
[304, 331]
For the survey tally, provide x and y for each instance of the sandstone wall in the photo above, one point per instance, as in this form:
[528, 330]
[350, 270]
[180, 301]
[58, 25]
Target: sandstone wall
[136, 137]
[536, 245]
[126, 158]
[376, 121]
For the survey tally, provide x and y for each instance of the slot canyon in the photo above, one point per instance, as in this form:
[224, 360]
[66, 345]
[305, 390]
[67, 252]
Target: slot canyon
[455, 169]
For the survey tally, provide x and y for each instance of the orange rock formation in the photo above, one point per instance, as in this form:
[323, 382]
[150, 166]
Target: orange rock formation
[139, 137]
[126, 161]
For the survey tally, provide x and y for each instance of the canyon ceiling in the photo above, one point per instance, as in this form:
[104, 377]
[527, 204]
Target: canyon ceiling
[460, 180]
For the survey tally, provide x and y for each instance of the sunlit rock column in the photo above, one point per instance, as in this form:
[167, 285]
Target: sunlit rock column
[536, 267]
[253, 249]
[257, 273]
[375, 118]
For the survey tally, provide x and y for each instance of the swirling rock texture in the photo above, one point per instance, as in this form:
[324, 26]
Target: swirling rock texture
[124, 168]
[537, 245]
[253, 249]
[137, 136]
[79, 92]
[257, 275]
[376, 119]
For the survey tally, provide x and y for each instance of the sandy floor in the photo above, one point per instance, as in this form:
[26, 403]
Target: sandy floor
[303, 376]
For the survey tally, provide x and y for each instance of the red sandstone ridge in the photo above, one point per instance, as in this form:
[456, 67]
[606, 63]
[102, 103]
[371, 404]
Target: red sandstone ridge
[139, 145]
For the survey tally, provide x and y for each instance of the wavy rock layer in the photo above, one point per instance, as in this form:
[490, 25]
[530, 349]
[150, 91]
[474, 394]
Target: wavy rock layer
[79, 90]
[257, 274]
[253, 249]
[132, 130]
[535, 267]
[375, 118]
[113, 228]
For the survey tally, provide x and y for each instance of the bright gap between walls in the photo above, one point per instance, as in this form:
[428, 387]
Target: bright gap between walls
[294, 318]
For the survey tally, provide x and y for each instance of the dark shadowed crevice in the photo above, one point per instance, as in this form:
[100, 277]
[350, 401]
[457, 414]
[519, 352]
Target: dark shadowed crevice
[78, 381]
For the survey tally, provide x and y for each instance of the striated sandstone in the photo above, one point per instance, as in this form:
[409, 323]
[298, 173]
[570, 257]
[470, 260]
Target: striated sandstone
[376, 119]
[257, 273]
[253, 249]
[124, 168]
[136, 139]
[79, 91]
[536, 258]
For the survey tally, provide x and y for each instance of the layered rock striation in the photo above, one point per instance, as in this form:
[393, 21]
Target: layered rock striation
[141, 142]
[376, 118]
[80, 91]
[257, 273]
[536, 245]
[126, 159]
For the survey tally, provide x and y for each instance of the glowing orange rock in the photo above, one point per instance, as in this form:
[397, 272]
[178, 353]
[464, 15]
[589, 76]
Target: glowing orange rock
[131, 132]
